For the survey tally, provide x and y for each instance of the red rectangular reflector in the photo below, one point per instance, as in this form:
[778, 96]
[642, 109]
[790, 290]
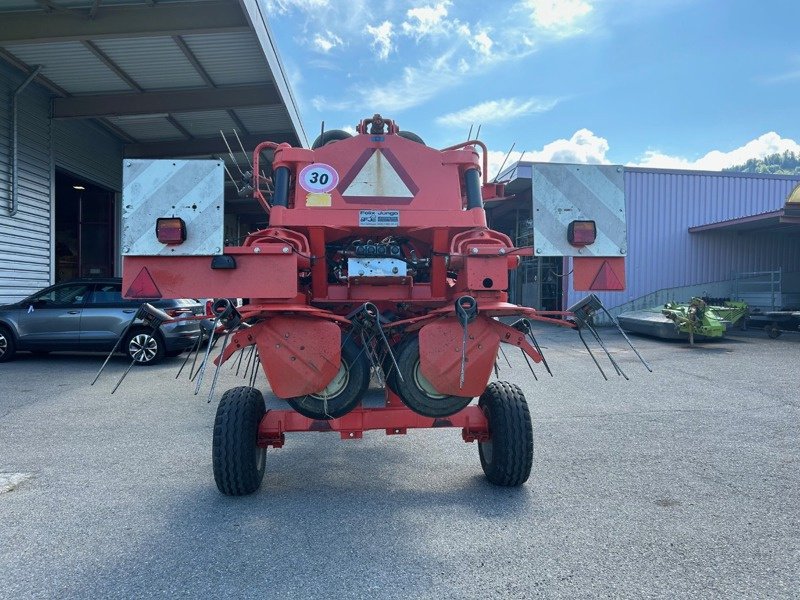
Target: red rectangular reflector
[170, 230]
[581, 233]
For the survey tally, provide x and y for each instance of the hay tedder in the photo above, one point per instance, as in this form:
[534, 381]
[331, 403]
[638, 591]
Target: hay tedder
[377, 263]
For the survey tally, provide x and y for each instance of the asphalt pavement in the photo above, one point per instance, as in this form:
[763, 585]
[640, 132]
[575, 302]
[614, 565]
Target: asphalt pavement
[682, 483]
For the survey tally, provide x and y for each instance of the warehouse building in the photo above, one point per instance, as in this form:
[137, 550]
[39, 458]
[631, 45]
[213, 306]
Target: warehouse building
[85, 84]
[689, 233]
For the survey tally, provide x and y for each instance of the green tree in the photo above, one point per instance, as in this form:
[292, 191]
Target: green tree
[787, 163]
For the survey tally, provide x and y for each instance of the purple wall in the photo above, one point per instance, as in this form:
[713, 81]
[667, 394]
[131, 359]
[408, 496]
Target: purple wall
[662, 205]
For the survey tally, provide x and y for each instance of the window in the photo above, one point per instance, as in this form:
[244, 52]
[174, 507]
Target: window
[107, 293]
[63, 295]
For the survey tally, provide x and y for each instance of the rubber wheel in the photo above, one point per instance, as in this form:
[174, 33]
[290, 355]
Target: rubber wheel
[7, 346]
[145, 347]
[343, 393]
[773, 331]
[507, 456]
[330, 136]
[417, 392]
[411, 136]
[238, 461]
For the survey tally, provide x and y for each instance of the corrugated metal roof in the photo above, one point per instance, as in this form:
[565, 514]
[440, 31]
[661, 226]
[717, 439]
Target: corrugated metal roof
[147, 128]
[154, 63]
[16, 5]
[230, 58]
[71, 66]
[262, 119]
[207, 123]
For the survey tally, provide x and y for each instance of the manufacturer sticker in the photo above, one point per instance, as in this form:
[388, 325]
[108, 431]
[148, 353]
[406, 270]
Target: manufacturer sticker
[379, 218]
[318, 178]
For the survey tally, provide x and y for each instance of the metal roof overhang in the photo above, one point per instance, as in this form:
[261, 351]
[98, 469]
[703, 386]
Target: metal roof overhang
[165, 76]
[778, 222]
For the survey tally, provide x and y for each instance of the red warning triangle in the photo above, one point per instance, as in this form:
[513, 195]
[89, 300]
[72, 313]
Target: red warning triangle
[143, 286]
[607, 279]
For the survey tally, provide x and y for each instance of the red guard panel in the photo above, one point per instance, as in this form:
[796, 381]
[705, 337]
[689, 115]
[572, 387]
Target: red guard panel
[598, 274]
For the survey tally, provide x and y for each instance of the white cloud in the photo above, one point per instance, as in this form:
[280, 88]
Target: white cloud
[583, 147]
[284, 6]
[496, 111]
[381, 39]
[559, 17]
[427, 20]
[716, 160]
[324, 42]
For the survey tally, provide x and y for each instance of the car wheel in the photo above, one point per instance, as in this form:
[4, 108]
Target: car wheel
[7, 347]
[144, 347]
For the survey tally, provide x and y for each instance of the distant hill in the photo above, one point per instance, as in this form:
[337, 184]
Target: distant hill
[787, 163]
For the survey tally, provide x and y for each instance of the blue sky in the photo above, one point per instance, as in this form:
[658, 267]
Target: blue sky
[697, 84]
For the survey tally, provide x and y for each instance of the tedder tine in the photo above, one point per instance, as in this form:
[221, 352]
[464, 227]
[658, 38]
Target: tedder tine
[627, 339]
[116, 345]
[589, 350]
[614, 363]
[195, 349]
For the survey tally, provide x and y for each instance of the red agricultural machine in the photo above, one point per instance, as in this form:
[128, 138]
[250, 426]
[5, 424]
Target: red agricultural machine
[377, 262]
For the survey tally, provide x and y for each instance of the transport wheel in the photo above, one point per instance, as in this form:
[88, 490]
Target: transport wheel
[773, 331]
[238, 462]
[145, 347]
[411, 136]
[7, 347]
[417, 392]
[343, 393]
[330, 136]
[507, 456]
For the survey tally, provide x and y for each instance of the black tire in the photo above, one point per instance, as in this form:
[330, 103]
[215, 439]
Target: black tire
[7, 345]
[238, 461]
[417, 392]
[330, 136]
[343, 393]
[144, 346]
[411, 136]
[507, 457]
[773, 331]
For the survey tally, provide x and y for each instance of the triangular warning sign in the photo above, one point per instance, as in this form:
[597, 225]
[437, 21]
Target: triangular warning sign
[143, 287]
[607, 279]
[378, 175]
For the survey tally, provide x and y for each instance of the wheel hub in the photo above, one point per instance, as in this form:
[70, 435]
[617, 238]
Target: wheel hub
[335, 387]
[143, 347]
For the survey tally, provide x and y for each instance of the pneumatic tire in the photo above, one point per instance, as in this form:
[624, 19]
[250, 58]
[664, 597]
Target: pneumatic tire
[507, 457]
[7, 346]
[416, 391]
[145, 346]
[343, 393]
[238, 461]
[329, 137]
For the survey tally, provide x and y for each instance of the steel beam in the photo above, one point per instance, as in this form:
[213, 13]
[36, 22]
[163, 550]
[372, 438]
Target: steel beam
[137, 20]
[202, 146]
[168, 101]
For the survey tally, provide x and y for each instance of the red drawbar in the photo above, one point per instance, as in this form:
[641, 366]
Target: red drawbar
[598, 274]
[143, 287]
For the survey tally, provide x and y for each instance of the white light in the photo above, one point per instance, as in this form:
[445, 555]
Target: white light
[78, 187]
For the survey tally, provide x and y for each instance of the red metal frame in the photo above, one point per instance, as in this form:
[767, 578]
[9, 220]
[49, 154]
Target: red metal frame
[394, 418]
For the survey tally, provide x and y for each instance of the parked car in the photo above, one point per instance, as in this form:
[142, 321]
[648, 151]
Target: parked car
[91, 315]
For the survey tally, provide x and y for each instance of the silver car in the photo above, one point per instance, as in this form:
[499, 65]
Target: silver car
[91, 315]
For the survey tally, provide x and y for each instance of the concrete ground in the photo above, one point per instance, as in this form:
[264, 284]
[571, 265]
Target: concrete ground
[683, 483]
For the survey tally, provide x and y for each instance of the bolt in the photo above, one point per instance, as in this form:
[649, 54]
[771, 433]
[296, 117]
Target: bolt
[351, 434]
[501, 251]
[361, 273]
[257, 250]
[394, 269]
[277, 345]
[292, 358]
[286, 335]
[285, 250]
[128, 164]
[538, 251]
[622, 250]
[126, 249]
[216, 250]
[473, 250]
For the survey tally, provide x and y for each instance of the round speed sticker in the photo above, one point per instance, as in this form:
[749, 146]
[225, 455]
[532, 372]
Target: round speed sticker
[318, 177]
